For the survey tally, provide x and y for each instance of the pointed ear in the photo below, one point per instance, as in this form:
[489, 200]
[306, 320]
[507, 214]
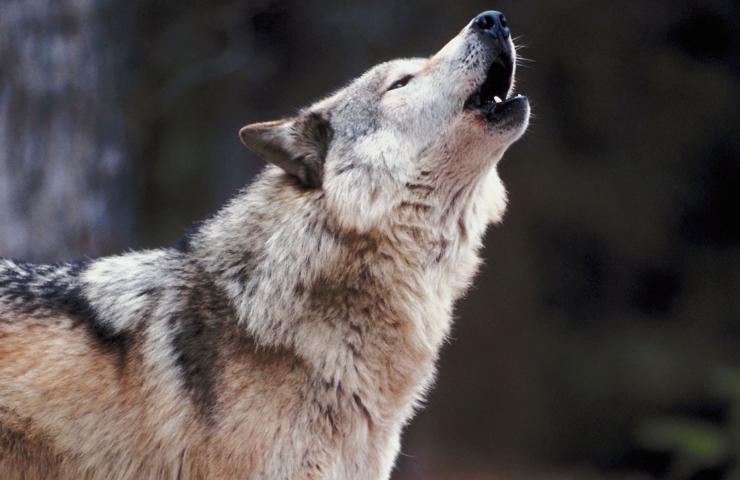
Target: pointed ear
[297, 145]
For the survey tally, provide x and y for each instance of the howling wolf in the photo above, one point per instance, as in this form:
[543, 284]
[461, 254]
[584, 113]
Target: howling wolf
[291, 335]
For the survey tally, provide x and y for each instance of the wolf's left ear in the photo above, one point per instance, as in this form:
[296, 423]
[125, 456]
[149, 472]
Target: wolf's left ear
[297, 145]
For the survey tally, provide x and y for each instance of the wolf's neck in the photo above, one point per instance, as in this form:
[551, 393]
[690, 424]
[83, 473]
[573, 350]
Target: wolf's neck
[366, 310]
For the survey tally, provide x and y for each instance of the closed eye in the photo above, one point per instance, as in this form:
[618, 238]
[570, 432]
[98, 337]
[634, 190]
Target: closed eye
[401, 82]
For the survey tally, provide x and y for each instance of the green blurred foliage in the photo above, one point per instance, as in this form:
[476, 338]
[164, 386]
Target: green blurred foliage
[700, 445]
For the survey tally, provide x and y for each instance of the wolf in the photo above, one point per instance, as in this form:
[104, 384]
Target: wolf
[293, 334]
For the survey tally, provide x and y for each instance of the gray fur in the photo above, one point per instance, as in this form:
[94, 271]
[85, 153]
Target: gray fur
[291, 335]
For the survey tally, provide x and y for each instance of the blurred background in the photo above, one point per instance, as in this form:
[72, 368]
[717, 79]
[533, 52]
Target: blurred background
[601, 337]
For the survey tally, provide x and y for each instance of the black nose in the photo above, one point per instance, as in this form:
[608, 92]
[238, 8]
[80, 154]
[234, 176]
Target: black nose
[493, 23]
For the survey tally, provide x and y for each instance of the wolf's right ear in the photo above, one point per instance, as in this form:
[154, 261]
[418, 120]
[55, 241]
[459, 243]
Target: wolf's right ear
[297, 145]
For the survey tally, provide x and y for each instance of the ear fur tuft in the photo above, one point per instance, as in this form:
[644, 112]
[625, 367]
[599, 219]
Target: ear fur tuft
[297, 145]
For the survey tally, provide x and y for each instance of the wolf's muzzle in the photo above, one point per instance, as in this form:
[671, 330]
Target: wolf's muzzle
[491, 97]
[493, 30]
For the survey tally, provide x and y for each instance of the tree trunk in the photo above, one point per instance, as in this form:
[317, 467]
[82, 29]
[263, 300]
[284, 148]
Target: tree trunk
[64, 178]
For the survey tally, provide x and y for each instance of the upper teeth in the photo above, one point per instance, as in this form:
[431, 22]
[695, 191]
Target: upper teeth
[497, 99]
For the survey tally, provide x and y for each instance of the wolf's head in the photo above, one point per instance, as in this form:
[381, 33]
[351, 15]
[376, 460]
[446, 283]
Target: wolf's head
[406, 129]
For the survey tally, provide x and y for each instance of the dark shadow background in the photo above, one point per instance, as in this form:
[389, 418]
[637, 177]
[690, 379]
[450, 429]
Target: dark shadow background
[601, 337]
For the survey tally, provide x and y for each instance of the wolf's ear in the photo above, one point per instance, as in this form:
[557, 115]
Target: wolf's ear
[297, 145]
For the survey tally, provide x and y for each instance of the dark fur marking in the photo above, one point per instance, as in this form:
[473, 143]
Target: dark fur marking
[246, 266]
[354, 349]
[462, 228]
[361, 406]
[328, 408]
[443, 245]
[420, 186]
[198, 335]
[57, 287]
[331, 416]
[346, 168]
[452, 204]
[419, 207]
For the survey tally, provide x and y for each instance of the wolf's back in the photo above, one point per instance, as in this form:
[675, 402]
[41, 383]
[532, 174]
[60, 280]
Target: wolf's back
[30, 287]
[53, 371]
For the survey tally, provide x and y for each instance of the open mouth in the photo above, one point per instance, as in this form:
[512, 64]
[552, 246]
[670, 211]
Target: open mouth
[490, 97]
